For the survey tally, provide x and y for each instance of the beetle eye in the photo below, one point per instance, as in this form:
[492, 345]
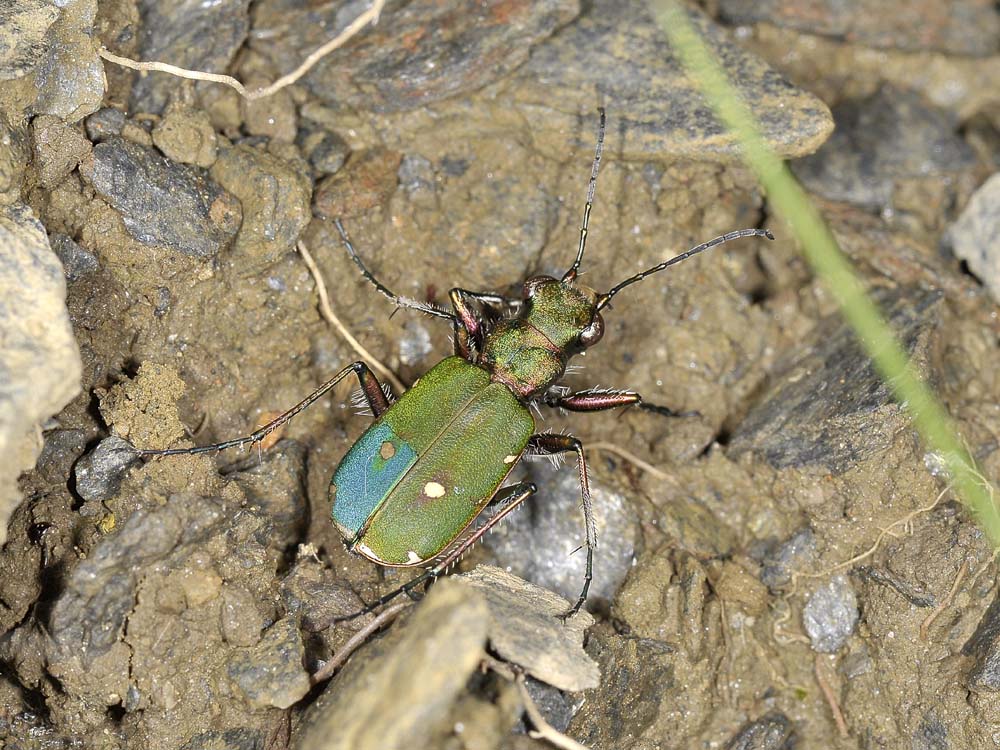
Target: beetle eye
[593, 333]
[532, 284]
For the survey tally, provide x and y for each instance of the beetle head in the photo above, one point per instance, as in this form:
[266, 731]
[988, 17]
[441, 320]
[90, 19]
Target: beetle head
[566, 312]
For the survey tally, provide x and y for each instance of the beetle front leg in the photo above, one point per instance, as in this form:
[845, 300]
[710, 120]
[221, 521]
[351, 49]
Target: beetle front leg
[469, 323]
[370, 388]
[598, 400]
[548, 443]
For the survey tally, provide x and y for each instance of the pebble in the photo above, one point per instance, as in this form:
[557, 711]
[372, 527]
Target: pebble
[772, 731]
[271, 672]
[830, 615]
[59, 148]
[15, 155]
[984, 646]
[99, 474]
[104, 123]
[186, 135]
[162, 202]
[975, 235]
[77, 261]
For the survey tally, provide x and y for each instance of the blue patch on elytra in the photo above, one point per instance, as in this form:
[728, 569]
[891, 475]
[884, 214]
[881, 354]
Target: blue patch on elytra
[365, 476]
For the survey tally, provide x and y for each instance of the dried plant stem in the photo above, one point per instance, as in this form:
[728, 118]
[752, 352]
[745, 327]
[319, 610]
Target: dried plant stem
[945, 603]
[831, 699]
[327, 312]
[631, 458]
[369, 16]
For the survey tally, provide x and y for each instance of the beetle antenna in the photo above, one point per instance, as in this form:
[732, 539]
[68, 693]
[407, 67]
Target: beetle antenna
[570, 275]
[604, 299]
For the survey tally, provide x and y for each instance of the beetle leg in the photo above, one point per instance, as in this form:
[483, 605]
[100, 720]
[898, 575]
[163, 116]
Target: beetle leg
[370, 387]
[469, 322]
[551, 443]
[599, 400]
[399, 301]
[507, 500]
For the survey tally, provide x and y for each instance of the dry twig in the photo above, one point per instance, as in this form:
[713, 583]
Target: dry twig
[831, 699]
[945, 603]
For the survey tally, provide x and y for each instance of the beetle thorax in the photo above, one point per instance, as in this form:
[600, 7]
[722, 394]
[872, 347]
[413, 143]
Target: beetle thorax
[529, 353]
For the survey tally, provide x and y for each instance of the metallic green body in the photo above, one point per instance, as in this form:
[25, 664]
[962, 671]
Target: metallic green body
[429, 465]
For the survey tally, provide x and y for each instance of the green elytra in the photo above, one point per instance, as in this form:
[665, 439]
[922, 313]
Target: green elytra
[425, 481]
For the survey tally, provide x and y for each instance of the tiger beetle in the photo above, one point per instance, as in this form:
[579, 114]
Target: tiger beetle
[423, 483]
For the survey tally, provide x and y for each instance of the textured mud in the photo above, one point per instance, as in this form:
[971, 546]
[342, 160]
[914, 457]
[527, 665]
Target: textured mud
[792, 572]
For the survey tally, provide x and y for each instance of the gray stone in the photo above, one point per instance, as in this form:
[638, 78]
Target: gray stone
[552, 703]
[830, 615]
[188, 33]
[890, 135]
[422, 52]
[77, 262]
[781, 561]
[62, 448]
[617, 54]
[541, 542]
[984, 645]
[975, 235]
[413, 676]
[271, 672]
[959, 27]
[104, 123]
[276, 484]
[39, 361]
[23, 26]
[15, 154]
[162, 202]
[827, 405]
[526, 629]
[772, 731]
[325, 150]
[99, 474]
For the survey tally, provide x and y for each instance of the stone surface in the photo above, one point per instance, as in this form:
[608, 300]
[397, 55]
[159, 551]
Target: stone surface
[15, 154]
[99, 474]
[975, 235]
[419, 53]
[525, 629]
[271, 672]
[617, 54]
[49, 59]
[542, 541]
[890, 135]
[830, 615]
[772, 731]
[58, 149]
[104, 123]
[827, 405]
[325, 150]
[77, 262]
[276, 484]
[186, 136]
[190, 34]
[367, 180]
[959, 27]
[783, 559]
[162, 202]
[39, 362]
[275, 195]
[984, 646]
[414, 677]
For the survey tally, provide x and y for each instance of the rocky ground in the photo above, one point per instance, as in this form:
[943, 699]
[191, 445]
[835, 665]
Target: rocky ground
[783, 567]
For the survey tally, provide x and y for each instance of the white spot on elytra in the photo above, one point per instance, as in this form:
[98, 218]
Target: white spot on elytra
[433, 489]
[413, 557]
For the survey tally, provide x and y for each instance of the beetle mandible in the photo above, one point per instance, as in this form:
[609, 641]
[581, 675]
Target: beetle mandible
[424, 481]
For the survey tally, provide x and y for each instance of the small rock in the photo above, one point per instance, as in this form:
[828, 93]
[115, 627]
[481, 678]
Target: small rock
[975, 235]
[542, 542]
[62, 448]
[104, 123]
[198, 36]
[984, 645]
[277, 486]
[325, 150]
[367, 180]
[831, 615]
[99, 473]
[162, 202]
[77, 262]
[23, 26]
[242, 621]
[525, 629]
[961, 27]
[414, 676]
[58, 148]
[275, 195]
[429, 51]
[784, 558]
[892, 134]
[271, 673]
[316, 597]
[735, 585]
[826, 404]
[39, 358]
[15, 155]
[772, 731]
[187, 136]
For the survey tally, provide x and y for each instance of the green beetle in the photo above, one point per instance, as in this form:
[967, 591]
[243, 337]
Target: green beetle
[425, 481]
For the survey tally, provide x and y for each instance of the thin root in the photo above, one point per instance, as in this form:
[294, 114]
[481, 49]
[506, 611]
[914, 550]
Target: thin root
[945, 603]
[327, 312]
[631, 458]
[831, 699]
[369, 16]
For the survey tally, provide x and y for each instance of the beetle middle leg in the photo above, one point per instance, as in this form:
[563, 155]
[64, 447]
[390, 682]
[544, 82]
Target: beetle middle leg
[506, 501]
[599, 400]
[549, 443]
[371, 389]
